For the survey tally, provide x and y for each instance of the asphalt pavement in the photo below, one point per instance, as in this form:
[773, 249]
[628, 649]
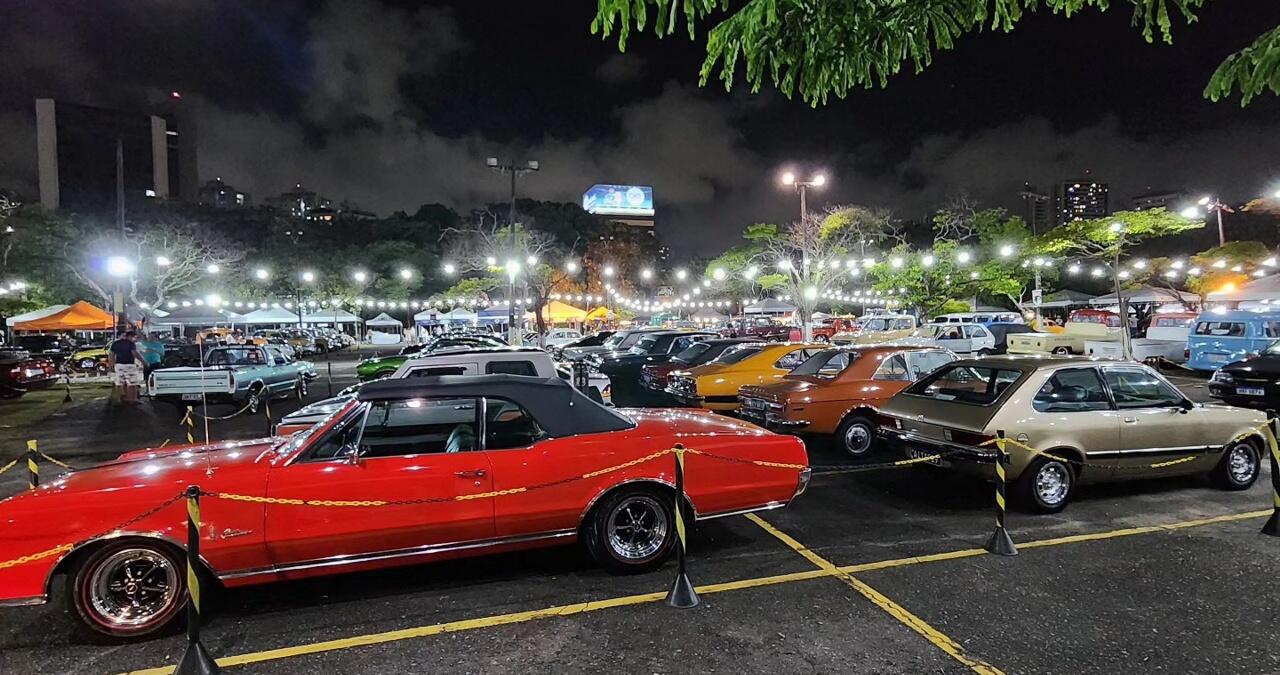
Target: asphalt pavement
[878, 572]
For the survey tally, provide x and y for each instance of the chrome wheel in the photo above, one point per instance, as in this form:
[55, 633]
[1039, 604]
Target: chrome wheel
[301, 388]
[1052, 483]
[857, 439]
[255, 400]
[132, 588]
[637, 528]
[1240, 464]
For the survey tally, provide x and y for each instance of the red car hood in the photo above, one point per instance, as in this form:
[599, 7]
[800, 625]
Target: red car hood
[783, 389]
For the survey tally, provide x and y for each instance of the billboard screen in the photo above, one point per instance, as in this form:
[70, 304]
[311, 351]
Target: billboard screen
[618, 200]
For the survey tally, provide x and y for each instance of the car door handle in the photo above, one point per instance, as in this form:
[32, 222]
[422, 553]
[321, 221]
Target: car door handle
[469, 474]
[1130, 420]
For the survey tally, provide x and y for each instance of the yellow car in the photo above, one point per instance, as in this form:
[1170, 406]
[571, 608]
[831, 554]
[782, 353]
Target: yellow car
[89, 360]
[714, 385]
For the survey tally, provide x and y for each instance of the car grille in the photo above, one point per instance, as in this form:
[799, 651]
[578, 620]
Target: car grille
[682, 385]
[653, 380]
[758, 404]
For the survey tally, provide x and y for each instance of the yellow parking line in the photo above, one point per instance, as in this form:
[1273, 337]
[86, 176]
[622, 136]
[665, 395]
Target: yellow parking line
[644, 598]
[915, 623]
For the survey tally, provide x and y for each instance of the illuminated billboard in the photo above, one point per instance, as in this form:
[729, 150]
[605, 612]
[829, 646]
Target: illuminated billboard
[618, 200]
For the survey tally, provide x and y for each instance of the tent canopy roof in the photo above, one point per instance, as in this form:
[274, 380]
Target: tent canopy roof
[769, 306]
[35, 314]
[384, 319]
[1143, 294]
[199, 315]
[79, 316]
[269, 315]
[330, 316]
[1264, 288]
[559, 311]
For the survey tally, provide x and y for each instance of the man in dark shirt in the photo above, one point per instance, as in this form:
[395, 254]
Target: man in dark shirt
[125, 360]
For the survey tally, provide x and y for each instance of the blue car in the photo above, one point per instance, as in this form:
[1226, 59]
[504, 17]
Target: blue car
[1219, 338]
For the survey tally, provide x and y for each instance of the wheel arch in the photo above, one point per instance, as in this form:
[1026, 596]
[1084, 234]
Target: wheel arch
[68, 561]
[662, 486]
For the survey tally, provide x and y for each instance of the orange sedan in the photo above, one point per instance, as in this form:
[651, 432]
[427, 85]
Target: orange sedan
[836, 391]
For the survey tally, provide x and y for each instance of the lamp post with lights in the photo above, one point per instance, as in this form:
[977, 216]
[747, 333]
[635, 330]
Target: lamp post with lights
[514, 170]
[802, 187]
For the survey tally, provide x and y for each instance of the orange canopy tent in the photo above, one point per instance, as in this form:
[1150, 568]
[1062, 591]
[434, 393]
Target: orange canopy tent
[80, 316]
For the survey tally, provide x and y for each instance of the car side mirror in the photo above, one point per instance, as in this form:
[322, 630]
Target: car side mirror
[1187, 406]
[351, 454]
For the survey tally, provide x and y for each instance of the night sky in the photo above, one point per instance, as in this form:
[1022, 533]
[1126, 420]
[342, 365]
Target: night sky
[393, 104]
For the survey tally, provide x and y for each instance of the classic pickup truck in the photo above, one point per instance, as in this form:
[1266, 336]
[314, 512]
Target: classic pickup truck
[1082, 325]
[760, 328]
[244, 375]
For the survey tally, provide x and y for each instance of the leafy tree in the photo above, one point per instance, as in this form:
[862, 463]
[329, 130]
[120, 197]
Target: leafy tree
[818, 48]
[1210, 270]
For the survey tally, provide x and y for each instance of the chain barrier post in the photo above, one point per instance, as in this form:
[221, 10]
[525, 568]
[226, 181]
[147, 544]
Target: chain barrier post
[33, 469]
[266, 408]
[329, 366]
[196, 661]
[1000, 542]
[1272, 527]
[190, 421]
[682, 593]
[66, 382]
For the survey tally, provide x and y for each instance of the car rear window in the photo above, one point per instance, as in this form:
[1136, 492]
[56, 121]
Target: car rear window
[692, 352]
[827, 363]
[1220, 328]
[738, 354]
[974, 385]
[525, 368]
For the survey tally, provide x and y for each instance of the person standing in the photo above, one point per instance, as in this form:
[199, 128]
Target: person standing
[126, 362]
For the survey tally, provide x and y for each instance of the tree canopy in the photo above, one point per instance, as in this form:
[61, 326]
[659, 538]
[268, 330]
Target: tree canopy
[819, 48]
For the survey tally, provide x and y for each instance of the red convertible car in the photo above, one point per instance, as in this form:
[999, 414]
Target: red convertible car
[411, 470]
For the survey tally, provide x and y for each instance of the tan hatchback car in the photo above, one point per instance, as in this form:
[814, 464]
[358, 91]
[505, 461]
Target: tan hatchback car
[1110, 420]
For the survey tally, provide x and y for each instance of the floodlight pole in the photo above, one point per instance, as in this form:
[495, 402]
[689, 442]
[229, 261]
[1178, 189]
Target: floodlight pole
[510, 167]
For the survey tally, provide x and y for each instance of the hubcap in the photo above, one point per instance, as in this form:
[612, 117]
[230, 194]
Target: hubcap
[132, 587]
[637, 528]
[1240, 464]
[857, 439]
[1052, 483]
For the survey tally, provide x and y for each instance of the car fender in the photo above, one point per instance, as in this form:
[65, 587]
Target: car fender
[63, 563]
[656, 481]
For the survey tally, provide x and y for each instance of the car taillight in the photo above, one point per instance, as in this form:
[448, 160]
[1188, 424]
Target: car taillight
[1186, 353]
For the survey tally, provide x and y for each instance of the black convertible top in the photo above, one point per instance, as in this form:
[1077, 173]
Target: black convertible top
[559, 409]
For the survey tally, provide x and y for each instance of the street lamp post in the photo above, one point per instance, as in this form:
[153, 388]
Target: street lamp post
[510, 167]
[1215, 205]
[802, 187]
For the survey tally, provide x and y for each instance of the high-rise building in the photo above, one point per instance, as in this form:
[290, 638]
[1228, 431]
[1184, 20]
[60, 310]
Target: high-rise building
[220, 195]
[76, 151]
[1169, 199]
[1082, 200]
[1036, 208]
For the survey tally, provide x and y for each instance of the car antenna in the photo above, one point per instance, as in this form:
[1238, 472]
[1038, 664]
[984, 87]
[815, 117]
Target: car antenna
[204, 405]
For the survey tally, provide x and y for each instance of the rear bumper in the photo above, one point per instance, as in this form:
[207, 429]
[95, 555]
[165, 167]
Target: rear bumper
[211, 397]
[977, 462]
[772, 420]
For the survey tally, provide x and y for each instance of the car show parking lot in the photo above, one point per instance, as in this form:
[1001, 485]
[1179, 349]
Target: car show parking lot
[868, 571]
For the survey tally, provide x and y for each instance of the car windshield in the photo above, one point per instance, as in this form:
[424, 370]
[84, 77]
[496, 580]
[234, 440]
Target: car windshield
[300, 438]
[691, 353]
[827, 363]
[233, 356]
[1272, 349]
[974, 385]
[737, 354]
[614, 341]
[645, 345]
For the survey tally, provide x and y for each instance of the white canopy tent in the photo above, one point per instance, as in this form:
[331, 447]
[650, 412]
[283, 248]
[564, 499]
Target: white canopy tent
[459, 314]
[35, 314]
[769, 306]
[708, 315]
[428, 315]
[383, 320]
[330, 316]
[270, 315]
[1146, 294]
[1264, 289]
[1064, 298]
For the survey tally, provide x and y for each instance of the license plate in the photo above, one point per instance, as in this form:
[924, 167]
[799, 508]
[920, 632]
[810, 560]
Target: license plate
[191, 397]
[1251, 391]
[917, 453]
[1215, 358]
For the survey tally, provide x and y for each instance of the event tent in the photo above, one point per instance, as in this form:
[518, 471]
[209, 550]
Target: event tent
[80, 316]
[1264, 288]
[708, 315]
[1064, 298]
[428, 316]
[35, 314]
[330, 316]
[269, 316]
[1146, 294]
[769, 306]
[199, 315]
[599, 314]
[459, 315]
[382, 320]
[558, 312]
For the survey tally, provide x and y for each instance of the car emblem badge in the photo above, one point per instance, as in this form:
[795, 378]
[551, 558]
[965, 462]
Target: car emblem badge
[230, 533]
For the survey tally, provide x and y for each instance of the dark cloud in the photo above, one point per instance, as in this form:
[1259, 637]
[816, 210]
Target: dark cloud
[621, 69]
